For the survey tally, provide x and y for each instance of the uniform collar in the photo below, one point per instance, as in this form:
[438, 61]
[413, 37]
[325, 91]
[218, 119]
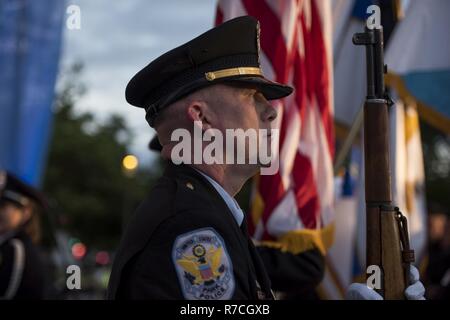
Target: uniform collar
[232, 204]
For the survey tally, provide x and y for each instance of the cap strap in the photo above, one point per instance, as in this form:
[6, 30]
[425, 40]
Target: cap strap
[14, 196]
[210, 76]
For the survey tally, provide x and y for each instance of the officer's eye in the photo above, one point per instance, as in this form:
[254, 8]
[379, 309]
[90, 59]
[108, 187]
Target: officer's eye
[259, 97]
[249, 92]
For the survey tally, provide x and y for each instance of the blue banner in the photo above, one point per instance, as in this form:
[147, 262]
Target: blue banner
[30, 42]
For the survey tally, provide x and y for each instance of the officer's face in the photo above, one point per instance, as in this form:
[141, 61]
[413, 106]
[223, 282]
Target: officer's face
[244, 108]
[11, 216]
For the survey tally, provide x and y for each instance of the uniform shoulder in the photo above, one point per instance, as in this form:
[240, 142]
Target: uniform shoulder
[10, 246]
[7, 250]
[12, 262]
[174, 195]
[170, 199]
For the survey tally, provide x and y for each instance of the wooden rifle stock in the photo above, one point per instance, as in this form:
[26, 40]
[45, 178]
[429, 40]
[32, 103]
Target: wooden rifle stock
[387, 243]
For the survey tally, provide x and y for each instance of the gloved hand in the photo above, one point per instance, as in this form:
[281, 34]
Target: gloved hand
[415, 291]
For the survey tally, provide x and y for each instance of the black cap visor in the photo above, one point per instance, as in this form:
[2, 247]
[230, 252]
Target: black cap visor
[270, 89]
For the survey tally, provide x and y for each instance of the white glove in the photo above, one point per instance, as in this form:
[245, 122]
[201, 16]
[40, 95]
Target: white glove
[415, 291]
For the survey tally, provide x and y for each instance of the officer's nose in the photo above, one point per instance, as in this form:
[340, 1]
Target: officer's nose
[270, 113]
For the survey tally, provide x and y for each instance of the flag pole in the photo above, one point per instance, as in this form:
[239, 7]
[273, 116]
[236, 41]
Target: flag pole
[346, 147]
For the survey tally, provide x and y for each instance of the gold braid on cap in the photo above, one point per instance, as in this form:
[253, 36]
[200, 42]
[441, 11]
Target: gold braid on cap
[210, 76]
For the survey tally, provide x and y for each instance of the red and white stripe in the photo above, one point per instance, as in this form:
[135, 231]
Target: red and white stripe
[296, 49]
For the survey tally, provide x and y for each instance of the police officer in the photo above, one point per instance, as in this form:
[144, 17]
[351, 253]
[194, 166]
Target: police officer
[21, 268]
[189, 239]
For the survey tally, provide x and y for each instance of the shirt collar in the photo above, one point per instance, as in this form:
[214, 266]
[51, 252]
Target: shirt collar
[232, 204]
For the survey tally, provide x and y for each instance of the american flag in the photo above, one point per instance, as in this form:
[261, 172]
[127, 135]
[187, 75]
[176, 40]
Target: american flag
[293, 209]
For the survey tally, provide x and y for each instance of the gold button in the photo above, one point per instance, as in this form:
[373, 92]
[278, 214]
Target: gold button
[190, 185]
[210, 76]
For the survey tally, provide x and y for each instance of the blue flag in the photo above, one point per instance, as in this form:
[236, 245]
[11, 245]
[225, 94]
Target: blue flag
[30, 42]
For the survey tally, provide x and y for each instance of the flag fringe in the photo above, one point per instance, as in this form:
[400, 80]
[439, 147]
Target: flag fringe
[298, 241]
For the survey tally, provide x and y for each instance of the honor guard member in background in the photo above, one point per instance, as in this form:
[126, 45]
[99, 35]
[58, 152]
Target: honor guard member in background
[21, 268]
[189, 239]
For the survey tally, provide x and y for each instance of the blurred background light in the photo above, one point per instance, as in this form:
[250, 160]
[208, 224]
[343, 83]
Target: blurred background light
[130, 162]
[79, 250]
[102, 258]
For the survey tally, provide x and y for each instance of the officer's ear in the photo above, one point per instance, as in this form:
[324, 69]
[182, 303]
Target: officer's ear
[199, 111]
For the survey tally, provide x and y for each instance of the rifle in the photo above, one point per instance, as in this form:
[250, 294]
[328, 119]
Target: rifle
[387, 242]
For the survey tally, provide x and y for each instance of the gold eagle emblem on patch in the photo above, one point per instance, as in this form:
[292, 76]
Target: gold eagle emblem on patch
[203, 266]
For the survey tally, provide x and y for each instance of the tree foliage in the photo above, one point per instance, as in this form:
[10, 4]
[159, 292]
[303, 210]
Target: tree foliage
[84, 176]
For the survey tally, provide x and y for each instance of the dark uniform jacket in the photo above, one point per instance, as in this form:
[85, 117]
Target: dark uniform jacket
[184, 243]
[294, 276]
[21, 268]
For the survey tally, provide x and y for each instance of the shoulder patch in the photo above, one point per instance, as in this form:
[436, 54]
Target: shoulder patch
[203, 266]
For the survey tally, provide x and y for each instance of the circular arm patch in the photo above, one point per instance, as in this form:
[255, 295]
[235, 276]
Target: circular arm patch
[203, 266]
